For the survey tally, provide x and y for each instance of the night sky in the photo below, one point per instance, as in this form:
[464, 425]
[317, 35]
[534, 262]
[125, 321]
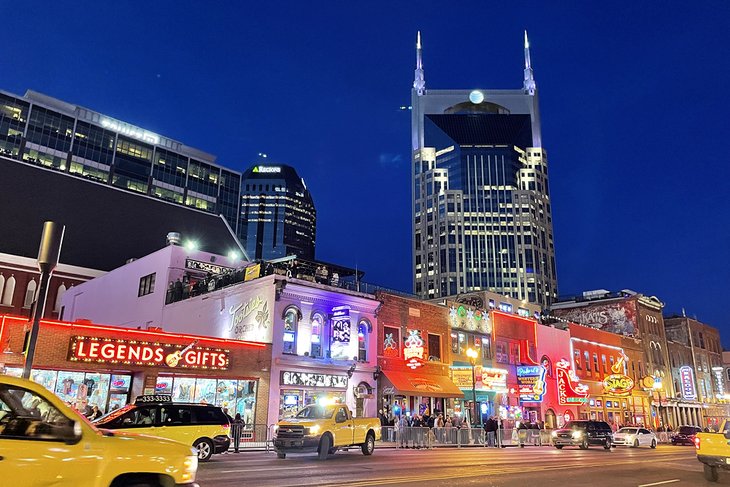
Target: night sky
[634, 101]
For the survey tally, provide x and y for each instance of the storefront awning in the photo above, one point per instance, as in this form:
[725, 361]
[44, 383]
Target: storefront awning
[422, 385]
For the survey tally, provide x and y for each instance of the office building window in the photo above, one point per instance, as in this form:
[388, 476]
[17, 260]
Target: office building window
[146, 285]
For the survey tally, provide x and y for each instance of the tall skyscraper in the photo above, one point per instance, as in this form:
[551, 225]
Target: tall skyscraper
[480, 201]
[278, 217]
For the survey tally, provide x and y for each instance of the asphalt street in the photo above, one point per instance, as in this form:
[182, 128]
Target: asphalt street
[541, 466]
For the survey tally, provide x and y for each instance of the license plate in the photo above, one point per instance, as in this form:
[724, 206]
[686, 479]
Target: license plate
[296, 443]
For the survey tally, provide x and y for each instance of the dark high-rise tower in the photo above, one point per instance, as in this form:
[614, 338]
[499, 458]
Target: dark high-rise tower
[481, 206]
[277, 213]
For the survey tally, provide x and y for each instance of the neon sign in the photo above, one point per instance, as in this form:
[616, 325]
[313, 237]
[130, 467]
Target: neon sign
[413, 351]
[133, 352]
[531, 382]
[688, 384]
[618, 383]
[570, 390]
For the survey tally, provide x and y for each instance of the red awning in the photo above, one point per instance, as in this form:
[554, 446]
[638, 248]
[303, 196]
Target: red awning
[423, 385]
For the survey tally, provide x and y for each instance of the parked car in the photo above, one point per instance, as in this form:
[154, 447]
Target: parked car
[203, 426]
[44, 442]
[634, 437]
[685, 435]
[583, 434]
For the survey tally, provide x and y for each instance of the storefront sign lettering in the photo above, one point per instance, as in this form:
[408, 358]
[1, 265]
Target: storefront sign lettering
[686, 377]
[199, 265]
[240, 312]
[117, 351]
[531, 382]
[570, 390]
[306, 379]
[618, 385]
[487, 378]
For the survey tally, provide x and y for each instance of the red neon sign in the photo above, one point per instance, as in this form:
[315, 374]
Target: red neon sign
[118, 351]
[568, 393]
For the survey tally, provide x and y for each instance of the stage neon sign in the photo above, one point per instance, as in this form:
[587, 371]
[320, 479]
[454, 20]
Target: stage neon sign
[413, 351]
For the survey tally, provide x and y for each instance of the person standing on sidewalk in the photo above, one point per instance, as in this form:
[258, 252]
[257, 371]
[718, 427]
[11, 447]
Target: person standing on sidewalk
[490, 426]
[237, 431]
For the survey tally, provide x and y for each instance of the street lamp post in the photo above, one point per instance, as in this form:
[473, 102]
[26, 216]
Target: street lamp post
[472, 354]
[658, 388]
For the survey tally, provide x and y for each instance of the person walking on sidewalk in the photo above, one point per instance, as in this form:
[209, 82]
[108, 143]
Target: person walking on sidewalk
[237, 431]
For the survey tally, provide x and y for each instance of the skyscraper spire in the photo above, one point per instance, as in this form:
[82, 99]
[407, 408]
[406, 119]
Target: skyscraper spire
[419, 83]
[529, 83]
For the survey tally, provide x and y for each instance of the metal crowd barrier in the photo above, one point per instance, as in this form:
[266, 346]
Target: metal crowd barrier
[461, 437]
[254, 437]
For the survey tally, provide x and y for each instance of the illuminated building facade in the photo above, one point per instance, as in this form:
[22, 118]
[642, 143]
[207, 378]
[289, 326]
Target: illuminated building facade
[481, 211]
[41, 130]
[278, 217]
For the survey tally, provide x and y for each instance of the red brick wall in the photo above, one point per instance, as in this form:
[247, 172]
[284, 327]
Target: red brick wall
[409, 314]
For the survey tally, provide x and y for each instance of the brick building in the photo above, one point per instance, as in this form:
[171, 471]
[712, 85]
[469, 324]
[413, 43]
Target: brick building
[87, 364]
[414, 358]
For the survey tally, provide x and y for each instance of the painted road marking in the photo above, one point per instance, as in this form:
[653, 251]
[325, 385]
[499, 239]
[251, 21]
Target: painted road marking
[660, 483]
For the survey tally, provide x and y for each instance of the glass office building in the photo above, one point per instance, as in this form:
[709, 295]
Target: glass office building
[480, 200]
[48, 132]
[278, 217]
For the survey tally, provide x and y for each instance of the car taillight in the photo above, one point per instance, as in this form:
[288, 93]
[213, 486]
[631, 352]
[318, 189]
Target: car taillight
[225, 426]
[697, 442]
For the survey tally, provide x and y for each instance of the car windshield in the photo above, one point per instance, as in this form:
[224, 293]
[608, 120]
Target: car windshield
[687, 430]
[576, 425]
[628, 431]
[316, 412]
[113, 415]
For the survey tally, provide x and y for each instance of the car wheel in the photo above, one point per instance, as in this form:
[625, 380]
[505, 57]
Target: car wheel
[607, 445]
[280, 454]
[369, 446]
[636, 444]
[205, 449]
[559, 447]
[653, 443]
[711, 473]
[324, 447]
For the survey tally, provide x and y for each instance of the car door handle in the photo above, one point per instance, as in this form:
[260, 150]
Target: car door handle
[2, 457]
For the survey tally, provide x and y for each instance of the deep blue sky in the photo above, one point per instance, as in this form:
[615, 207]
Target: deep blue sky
[634, 101]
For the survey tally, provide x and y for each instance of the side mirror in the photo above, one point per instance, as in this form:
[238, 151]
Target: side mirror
[72, 433]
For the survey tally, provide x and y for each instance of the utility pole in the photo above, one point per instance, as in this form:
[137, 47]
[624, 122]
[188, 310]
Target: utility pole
[48, 254]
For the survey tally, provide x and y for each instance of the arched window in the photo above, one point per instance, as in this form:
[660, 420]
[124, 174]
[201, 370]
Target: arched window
[30, 294]
[2, 286]
[291, 318]
[7, 298]
[59, 296]
[318, 321]
[363, 333]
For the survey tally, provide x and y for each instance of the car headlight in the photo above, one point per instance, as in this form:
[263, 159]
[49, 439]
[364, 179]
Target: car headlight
[313, 430]
[577, 435]
[554, 434]
[276, 428]
[190, 466]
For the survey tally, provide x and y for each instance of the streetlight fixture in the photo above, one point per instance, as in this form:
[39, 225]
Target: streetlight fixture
[472, 354]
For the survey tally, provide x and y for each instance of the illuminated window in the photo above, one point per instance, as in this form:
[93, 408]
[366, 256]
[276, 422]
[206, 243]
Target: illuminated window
[587, 361]
[595, 362]
[8, 292]
[316, 337]
[576, 359]
[291, 323]
[363, 333]
[605, 365]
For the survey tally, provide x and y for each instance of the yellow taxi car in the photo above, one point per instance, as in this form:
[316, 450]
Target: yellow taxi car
[203, 426]
[45, 443]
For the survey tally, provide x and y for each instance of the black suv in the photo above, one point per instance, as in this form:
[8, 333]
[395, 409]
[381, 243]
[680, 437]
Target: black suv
[583, 434]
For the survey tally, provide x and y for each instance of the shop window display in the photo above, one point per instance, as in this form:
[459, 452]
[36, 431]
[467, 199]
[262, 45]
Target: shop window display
[237, 396]
[80, 389]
